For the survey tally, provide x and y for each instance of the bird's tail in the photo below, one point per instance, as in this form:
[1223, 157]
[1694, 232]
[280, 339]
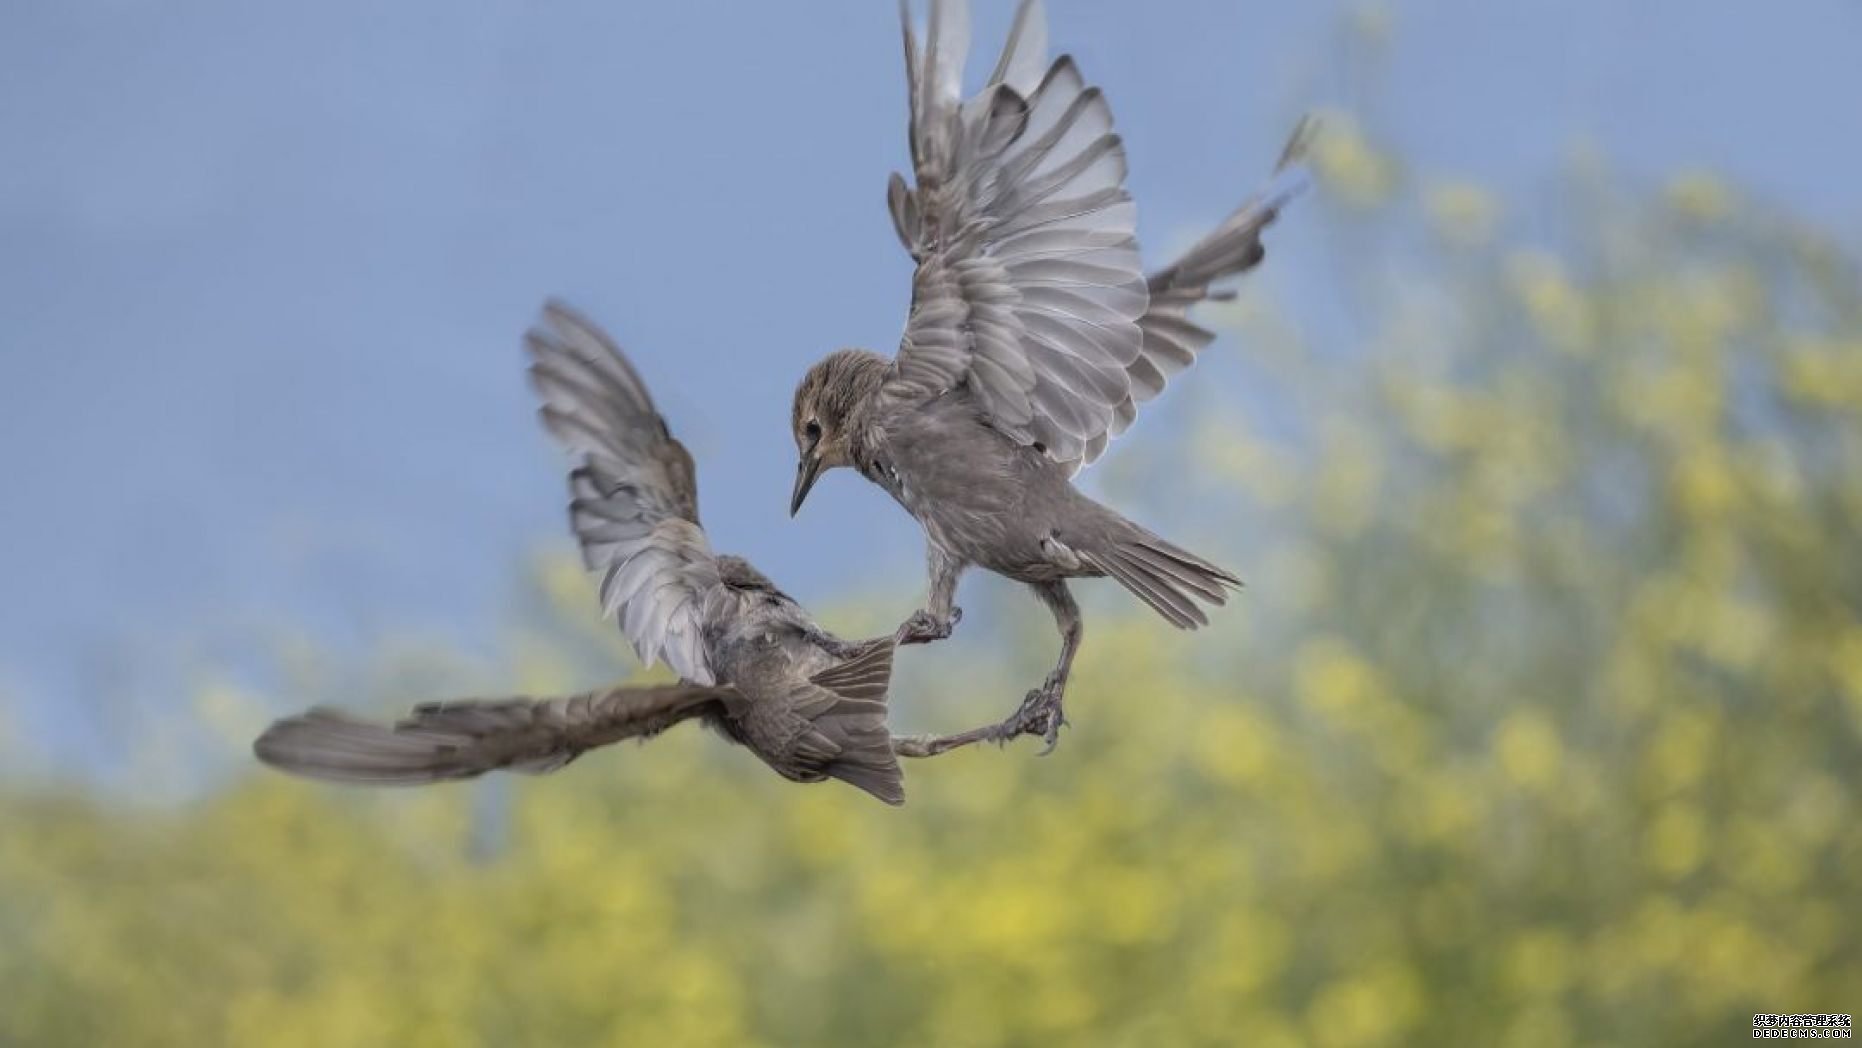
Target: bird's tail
[1167, 577]
[460, 740]
[854, 722]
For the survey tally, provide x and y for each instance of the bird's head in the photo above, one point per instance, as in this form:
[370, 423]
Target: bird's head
[822, 418]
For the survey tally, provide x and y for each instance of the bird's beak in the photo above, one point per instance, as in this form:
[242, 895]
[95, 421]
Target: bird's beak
[805, 473]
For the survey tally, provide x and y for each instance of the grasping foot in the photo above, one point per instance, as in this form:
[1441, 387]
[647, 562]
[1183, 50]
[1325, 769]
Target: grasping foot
[1040, 713]
[924, 627]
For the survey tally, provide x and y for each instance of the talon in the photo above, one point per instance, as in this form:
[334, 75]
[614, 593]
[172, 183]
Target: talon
[1056, 719]
[923, 627]
[1042, 714]
[912, 630]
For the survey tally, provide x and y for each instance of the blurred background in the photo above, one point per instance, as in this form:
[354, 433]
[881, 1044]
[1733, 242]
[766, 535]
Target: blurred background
[1538, 438]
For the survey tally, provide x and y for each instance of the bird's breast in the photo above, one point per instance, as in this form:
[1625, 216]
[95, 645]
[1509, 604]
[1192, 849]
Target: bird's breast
[976, 492]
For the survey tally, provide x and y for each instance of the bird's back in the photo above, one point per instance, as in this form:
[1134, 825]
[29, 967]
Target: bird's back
[809, 714]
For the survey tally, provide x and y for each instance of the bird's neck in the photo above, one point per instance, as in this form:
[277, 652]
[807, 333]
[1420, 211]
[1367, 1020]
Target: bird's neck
[860, 405]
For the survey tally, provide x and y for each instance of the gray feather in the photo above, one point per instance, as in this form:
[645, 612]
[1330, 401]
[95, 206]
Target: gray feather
[1170, 339]
[634, 498]
[460, 740]
[1041, 159]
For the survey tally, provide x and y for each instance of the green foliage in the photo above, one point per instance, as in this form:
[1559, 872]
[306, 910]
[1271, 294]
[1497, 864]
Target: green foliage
[1539, 724]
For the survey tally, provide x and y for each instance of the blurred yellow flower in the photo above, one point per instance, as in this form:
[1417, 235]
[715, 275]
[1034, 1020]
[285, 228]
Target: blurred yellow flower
[1540, 962]
[1464, 214]
[1700, 196]
[1347, 163]
[1681, 751]
[1332, 679]
[1758, 859]
[1675, 841]
[1529, 751]
[1823, 374]
[1559, 311]
[1234, 746]
[1373, 1008]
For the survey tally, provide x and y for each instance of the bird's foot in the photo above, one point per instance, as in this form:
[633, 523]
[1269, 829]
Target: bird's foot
[1041, 713]
[924, 627]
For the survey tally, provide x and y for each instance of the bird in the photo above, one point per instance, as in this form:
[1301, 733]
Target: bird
[752, 664]
[1033, 336]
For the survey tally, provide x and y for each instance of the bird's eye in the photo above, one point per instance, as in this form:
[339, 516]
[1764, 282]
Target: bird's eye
[813, 430]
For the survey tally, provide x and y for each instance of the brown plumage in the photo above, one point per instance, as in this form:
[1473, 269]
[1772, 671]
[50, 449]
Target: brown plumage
[463, 739]
[829, 726]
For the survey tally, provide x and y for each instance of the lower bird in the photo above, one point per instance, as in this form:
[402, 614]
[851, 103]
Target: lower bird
[1034, 334]
[753, 664]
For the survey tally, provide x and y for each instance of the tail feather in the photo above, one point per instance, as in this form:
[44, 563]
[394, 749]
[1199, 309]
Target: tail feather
[866, 675]
[855, 723]
[1203, 579]
[443, 741]
[1168, 578]
[873, 767]
[1150, 587]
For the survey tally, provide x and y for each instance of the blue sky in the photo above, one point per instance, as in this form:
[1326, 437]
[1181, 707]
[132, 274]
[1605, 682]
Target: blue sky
[263, 268]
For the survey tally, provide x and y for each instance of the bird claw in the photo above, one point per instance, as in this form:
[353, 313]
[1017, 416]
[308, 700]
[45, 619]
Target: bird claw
[924, 627]
[1041, 713]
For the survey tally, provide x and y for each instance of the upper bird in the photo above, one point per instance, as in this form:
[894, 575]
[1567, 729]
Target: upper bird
[752, 663]
[1034, 335]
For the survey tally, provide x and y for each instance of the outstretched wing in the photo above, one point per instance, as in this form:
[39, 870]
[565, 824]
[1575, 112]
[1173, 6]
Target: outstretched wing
[459, 740]
[1171, 338]
[1028, 288]
[633, 499]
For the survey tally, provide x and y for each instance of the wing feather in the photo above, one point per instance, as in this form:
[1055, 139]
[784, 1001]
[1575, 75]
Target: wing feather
[1171, 338]
[1029, 291]
[1028, 287]
[634, 495]
[459, 740]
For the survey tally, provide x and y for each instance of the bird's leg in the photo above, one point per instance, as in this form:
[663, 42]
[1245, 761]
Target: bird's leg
[840, 649]
[1041, 712]
[928, 745]
[937, 621]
